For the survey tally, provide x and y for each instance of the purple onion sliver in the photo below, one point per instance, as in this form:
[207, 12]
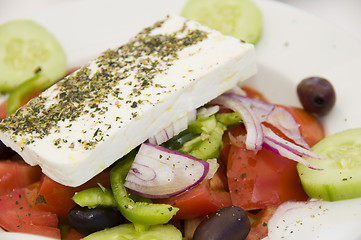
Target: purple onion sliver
[287, 125]
[173, 129]
[294, 148]
[175, 152]
[161, 196]
[207, 111]
[138, 171]
[287, 144]
[254, 137]
[287, 154]
[260, 108]
[175, 172]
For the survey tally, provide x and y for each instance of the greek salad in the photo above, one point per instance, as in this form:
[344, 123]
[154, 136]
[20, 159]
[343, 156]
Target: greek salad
[221, 172]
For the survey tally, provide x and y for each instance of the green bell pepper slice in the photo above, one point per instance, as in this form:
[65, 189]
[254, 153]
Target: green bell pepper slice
[26, 90]
[93, 197]
[139, 213]
[129, 232]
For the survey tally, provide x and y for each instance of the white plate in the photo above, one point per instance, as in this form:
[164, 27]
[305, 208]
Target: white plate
[294, 46]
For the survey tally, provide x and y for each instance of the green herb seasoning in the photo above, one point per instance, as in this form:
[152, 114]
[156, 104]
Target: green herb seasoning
[86, 91]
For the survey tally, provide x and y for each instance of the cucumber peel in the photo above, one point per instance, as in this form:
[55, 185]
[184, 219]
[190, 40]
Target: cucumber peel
[341, 163]
[238, 18]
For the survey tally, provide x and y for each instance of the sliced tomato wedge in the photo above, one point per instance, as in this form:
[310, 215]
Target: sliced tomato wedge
[56, 198]
[18, 215]
[205, 198]
[17, 174]
[73, 235]
[3, 109]
[259, 227]
[253, 93]
[258, 180]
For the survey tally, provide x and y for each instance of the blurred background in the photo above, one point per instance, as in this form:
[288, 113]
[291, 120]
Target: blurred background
[345, 14]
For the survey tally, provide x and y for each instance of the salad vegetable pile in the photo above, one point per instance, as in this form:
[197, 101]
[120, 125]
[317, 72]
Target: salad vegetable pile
[218, 132]
[220, 173]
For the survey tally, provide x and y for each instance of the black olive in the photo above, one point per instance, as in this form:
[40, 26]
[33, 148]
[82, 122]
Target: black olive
[229, 223]
[317, 95]
[5, 152]
[88, 220]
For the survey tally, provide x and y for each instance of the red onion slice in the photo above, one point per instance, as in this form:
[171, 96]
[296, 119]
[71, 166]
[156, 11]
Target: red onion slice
[260, 109]
[237, 90]
[207, 111]
[269, 134]
[213, 166]
[254, 112]
[283, 120]
[158, 172]
[277, 116]
[173, 129]
[287, 149]
[252, 123]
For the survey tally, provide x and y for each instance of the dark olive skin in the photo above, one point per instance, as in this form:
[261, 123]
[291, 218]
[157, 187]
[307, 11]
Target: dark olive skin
[229, 223]
[87, 221]
[5, 152]
[316, 95]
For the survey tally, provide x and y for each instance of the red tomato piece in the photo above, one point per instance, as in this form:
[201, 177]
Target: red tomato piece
[3, 109]
[263, 179]
[257, 181]
[233, 136]
[205, 198]
[259, 228]
[17, 174]
[56, 198]
[71, 70]
[17, 215]
[32, 193]
[253, 93]
[73, 235]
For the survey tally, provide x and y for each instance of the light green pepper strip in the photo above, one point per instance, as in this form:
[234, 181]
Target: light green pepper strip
[25, 91]
[229, 119]
[211, 146]
[139, 213]
[93, 197]
[209, 143]
[203, 125]
[128, 231]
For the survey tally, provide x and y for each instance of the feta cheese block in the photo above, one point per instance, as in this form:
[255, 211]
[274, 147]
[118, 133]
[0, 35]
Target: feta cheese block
[91, 118]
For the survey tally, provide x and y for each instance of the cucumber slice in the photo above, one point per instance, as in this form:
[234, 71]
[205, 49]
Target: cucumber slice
[341, 163]
[25, 46]
[238, 18]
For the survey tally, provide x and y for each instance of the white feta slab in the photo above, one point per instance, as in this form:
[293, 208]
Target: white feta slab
[90, 119]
